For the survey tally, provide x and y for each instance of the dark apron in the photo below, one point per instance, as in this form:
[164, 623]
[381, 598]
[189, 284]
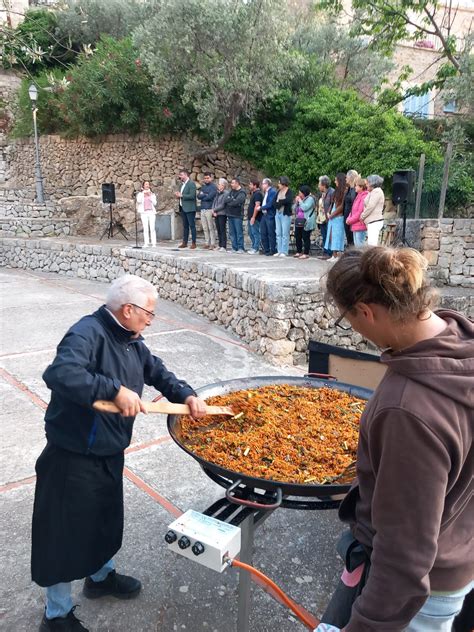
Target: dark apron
[77, 515]
[354, 555]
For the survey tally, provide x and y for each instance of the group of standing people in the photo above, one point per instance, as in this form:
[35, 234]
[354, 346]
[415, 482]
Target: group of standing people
[350, 213]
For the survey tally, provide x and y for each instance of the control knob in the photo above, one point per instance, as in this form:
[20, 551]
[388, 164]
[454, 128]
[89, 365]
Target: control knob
[171, 537]
[184, 542]
[197, 548]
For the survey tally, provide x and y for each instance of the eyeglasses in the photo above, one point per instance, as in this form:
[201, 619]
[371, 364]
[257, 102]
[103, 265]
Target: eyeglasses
[339, 322]
[150, 314]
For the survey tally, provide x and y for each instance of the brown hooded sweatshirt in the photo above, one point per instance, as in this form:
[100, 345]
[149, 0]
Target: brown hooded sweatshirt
[413, 501]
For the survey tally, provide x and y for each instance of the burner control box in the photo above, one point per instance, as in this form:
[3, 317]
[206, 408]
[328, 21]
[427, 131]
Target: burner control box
[204, 539]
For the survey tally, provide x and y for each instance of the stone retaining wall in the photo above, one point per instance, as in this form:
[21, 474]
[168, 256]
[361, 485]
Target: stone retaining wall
[14, 206]
[448, 245]
[35, 227]
[79, 167]
[276, 319]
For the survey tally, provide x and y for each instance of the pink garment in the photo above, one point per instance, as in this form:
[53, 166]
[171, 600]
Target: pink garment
[353, 578]
[147, 203]
[353, 219]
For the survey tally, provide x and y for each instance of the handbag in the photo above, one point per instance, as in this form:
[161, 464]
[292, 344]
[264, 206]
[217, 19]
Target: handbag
[300, 220]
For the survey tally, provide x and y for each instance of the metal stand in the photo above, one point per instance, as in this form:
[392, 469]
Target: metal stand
[403, 241]
[113, 225]
[248, 520]
[136, 246]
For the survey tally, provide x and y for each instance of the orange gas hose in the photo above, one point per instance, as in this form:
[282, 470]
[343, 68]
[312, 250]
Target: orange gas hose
[302, 616]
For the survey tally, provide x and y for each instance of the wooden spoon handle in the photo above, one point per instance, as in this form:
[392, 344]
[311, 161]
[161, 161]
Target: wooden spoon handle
[163, 406]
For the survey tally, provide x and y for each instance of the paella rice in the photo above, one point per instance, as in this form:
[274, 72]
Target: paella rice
[280, 432]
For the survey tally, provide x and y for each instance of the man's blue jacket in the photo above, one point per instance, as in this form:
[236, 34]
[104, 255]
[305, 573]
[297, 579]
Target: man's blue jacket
[95, 358]
[269, 208]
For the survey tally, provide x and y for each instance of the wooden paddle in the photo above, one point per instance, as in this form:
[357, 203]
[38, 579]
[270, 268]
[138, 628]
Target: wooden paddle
[163, 406]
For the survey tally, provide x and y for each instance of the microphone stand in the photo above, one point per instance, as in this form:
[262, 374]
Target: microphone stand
[136, 246]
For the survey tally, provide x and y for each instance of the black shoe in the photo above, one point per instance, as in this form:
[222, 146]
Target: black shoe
[62, 624]
[120, 586]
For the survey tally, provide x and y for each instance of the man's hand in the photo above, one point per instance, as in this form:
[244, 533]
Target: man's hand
[197, 406]
[178, 194]
[252, 221]
[129, 402]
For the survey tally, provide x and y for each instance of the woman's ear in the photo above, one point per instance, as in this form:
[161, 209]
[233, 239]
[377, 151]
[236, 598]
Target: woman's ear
[366, 311]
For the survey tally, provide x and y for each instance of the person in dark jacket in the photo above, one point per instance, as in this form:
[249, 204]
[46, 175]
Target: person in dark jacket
[187, 208]
[218, 212]
[284, 207]
[411, 506]
[351, 178]
[267, 224]
[234, 210]
[254, 216]
[206, 195]
[78, 507]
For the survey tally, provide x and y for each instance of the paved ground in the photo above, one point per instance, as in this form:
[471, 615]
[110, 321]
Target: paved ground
[295, 548]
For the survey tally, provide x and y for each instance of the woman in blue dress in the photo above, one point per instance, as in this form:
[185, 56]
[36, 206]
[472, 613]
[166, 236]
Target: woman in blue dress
[336, 234]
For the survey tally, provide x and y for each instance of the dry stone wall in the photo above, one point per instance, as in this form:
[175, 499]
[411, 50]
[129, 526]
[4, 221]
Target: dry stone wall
[79, 167]
[276, 319]
[448, 245]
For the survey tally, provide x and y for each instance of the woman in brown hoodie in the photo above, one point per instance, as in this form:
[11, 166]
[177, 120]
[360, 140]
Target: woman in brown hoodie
[411, 508]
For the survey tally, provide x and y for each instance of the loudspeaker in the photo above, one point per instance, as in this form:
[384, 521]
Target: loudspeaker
[403, 186]
[108, 193]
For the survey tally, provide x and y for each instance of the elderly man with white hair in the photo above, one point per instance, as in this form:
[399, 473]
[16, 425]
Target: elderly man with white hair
[78, 508]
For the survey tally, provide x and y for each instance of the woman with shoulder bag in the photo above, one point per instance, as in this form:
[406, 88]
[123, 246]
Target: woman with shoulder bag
[305, 222]
[409, 560]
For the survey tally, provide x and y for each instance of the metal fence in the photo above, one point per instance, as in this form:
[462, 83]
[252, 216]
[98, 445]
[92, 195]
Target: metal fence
[444, 189]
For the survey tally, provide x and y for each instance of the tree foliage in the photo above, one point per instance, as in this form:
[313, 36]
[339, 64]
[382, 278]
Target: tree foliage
[34, 45]
[387, 22]
[109, 91]
[337, 130]
[84, 22]
[224, 57]
[338, 58]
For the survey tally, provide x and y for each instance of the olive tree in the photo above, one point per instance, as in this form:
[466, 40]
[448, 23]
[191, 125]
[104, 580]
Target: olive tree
[223, 57]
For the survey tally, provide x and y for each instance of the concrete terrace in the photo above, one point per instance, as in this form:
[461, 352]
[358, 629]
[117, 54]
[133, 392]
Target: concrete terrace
[295, 548]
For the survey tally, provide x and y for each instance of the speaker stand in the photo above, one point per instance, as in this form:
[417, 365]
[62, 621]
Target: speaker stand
[113, 225]
[403, 241]
[136, 246]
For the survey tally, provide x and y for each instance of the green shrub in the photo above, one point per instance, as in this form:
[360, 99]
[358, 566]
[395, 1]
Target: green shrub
[109, 91]
[336, 130]
[49, 115]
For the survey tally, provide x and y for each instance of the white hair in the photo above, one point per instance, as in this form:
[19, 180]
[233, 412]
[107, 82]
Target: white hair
[223, 181]
[267, 181]
[352, 176]
[374, 180]
[129, 288]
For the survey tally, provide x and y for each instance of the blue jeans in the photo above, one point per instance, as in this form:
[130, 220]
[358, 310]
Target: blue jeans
[282, 225]
[254, 234]
[268, 233]
[360, 237]
[236, 232]
[58, 597]
[438, 612]
[189, 222]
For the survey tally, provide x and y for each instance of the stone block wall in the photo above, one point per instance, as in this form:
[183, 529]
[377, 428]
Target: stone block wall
[448, 245]
[35, 227]
[79, 167]
[276, 319]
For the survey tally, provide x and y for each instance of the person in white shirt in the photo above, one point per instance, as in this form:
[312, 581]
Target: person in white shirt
[146, 207]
